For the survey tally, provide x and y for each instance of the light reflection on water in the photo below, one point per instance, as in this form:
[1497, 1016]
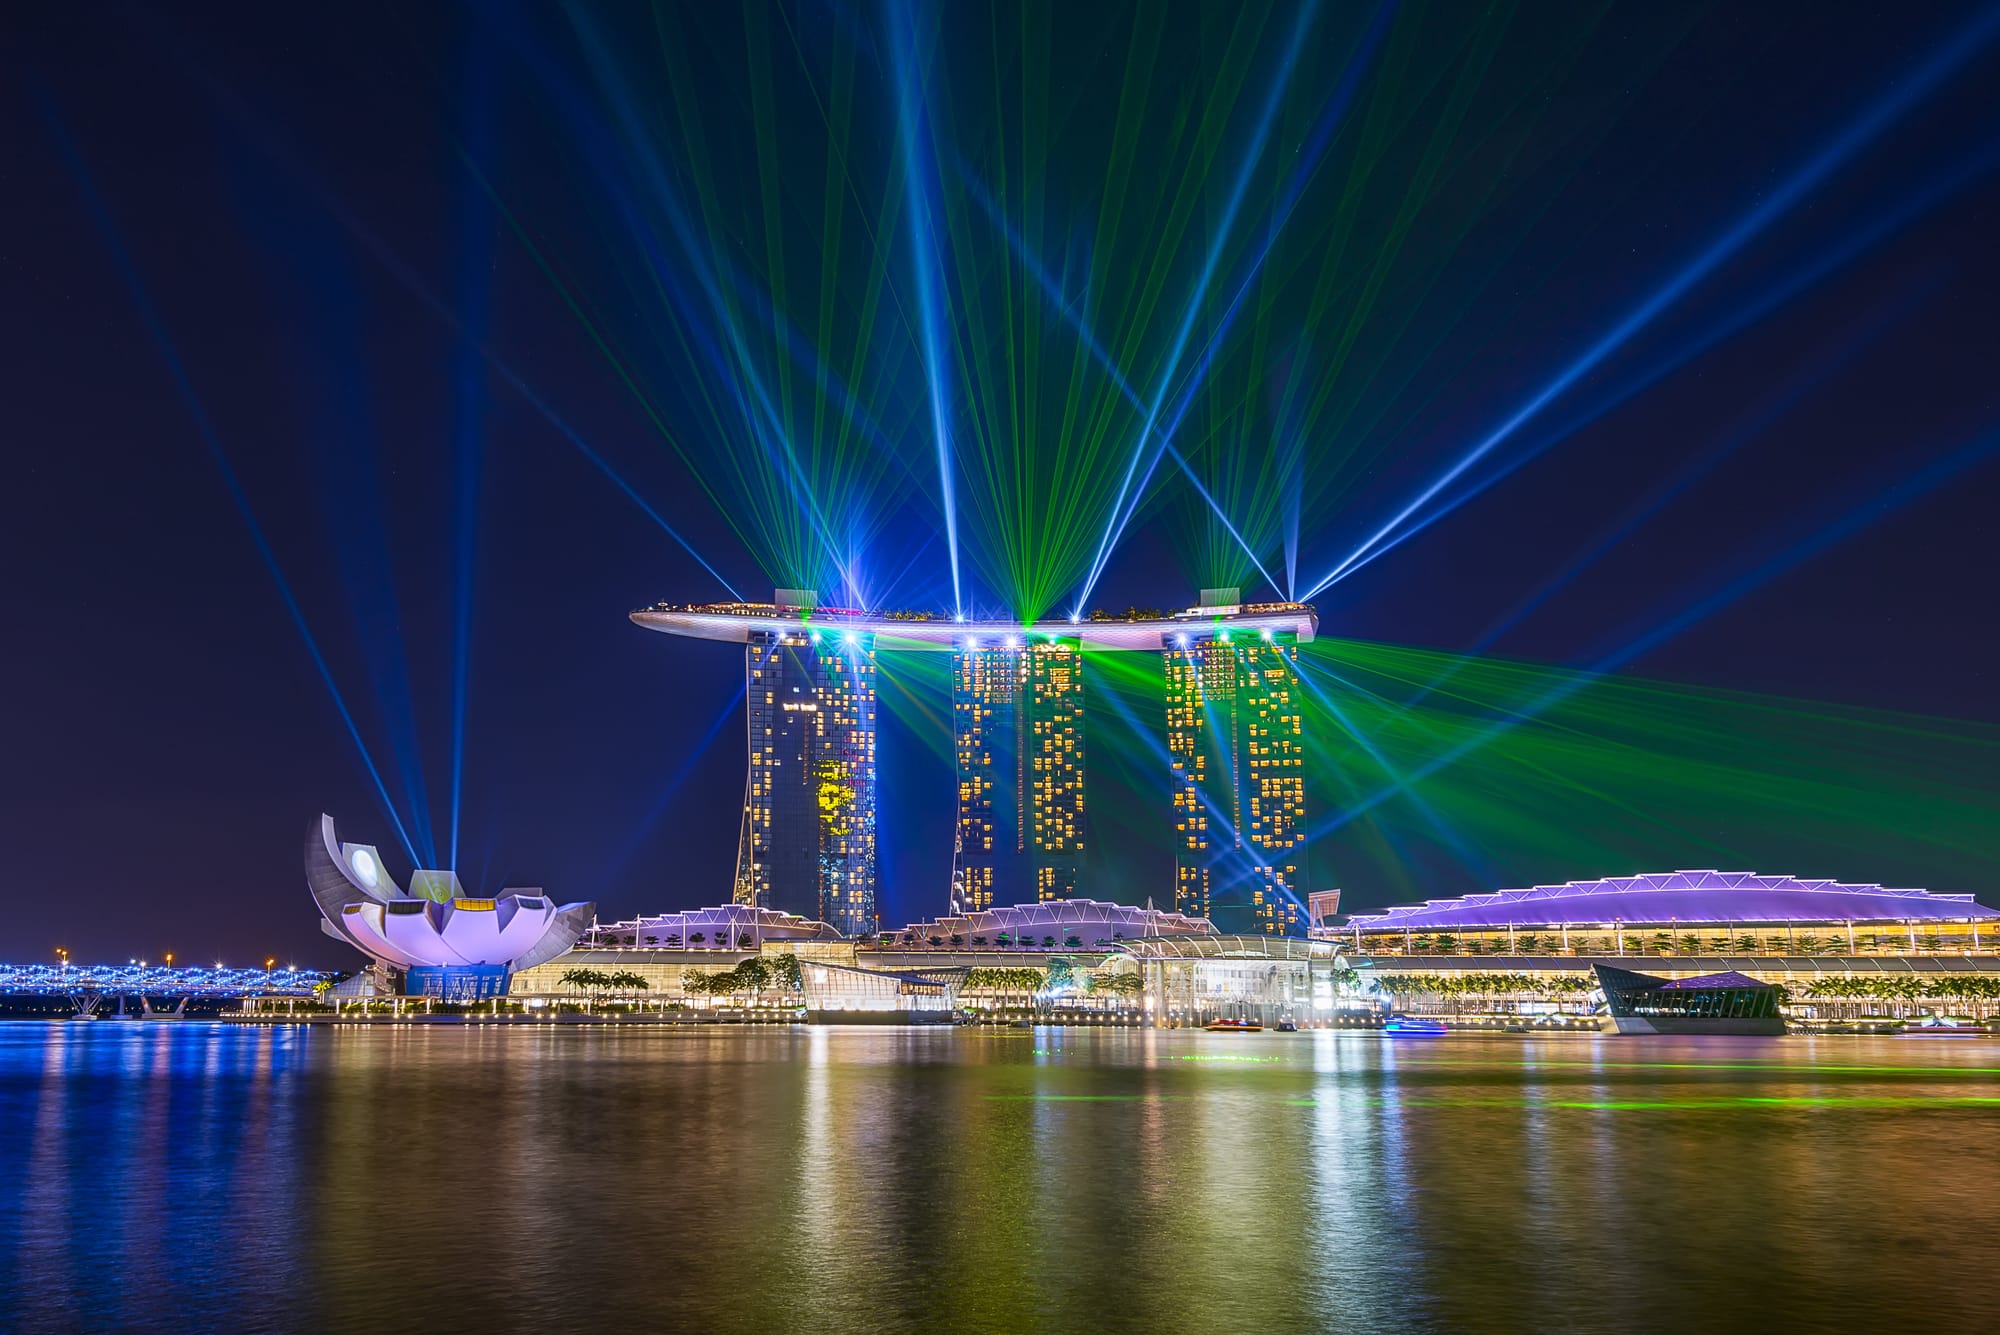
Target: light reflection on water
[187, 1176]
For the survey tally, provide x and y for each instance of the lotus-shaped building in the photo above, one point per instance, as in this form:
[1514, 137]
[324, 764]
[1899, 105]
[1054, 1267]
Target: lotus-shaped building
[445, 943]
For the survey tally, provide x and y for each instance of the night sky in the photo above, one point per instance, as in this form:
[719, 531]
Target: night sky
[309, 308]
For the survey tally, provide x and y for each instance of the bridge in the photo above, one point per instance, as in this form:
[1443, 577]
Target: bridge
[96, 989]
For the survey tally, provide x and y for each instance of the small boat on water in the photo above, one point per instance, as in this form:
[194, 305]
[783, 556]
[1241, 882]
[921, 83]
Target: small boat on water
[1287, 1025]
[1234, 1027]
[1937, 1026]
[1413, 1026]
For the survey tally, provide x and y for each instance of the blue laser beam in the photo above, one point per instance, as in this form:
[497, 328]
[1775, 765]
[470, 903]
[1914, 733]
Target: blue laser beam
[257, 131]
[913, 137]
[1852, 139]
[1210, 262]
[1974, 167]
[1329, 121]
[1068, 307]
[475, 253]
[1878, 506]
[156, 329]
[630, 848]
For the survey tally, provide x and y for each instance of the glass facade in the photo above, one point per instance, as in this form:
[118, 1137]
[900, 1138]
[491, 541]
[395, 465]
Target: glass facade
[1017, 740]
[1236, 742]
[808, 838]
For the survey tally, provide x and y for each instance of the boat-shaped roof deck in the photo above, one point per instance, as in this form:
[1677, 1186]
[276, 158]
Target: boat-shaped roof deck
[740, 623]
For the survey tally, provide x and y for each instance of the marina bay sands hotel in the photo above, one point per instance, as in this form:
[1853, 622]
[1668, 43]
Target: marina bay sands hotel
[1234, 725]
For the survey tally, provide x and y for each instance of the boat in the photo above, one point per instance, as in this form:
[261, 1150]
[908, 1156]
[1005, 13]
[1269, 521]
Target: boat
[1938, 1026]
[1413, 1025]
[1287, 1026]
[1234, 1027]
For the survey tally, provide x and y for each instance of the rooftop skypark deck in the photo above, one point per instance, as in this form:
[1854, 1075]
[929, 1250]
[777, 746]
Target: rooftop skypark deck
[1138, 629]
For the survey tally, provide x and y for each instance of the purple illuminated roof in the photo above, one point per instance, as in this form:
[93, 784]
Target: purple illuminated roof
[1729, 979]
[1691, 898]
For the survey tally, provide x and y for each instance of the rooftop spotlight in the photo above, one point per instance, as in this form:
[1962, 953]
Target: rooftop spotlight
[1013, 642]
[848, 638]
[1181, 639]
[1267, 632]
[1225, 637]
[959, 618]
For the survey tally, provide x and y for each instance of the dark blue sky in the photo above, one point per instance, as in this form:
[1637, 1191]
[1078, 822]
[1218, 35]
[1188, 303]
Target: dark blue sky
[169, 735]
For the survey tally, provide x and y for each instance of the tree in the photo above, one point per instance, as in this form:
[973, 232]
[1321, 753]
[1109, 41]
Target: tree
[1061, 974]
[978, 940]
[957, 940]
[697, 937]
[1117, 984]
[1690, 944]
[1072, 942]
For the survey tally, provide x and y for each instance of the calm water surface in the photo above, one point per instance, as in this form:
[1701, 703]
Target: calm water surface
[196, 1177]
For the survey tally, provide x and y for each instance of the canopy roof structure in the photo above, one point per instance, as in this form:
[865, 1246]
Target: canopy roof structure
[739, 623]
[721, 926]
[1676, 898]
[1089, 920]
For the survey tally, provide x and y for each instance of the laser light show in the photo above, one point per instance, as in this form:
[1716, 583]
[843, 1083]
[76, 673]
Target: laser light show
[1198, 455]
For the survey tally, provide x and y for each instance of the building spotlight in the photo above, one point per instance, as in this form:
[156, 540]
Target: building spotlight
[1013, 642]
[849, 637]
[1267, 632]
[1181, 640]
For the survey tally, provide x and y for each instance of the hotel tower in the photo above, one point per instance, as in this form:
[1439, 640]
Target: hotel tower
[1235, 739]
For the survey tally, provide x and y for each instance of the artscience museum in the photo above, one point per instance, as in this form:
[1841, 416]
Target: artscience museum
[441, 942]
